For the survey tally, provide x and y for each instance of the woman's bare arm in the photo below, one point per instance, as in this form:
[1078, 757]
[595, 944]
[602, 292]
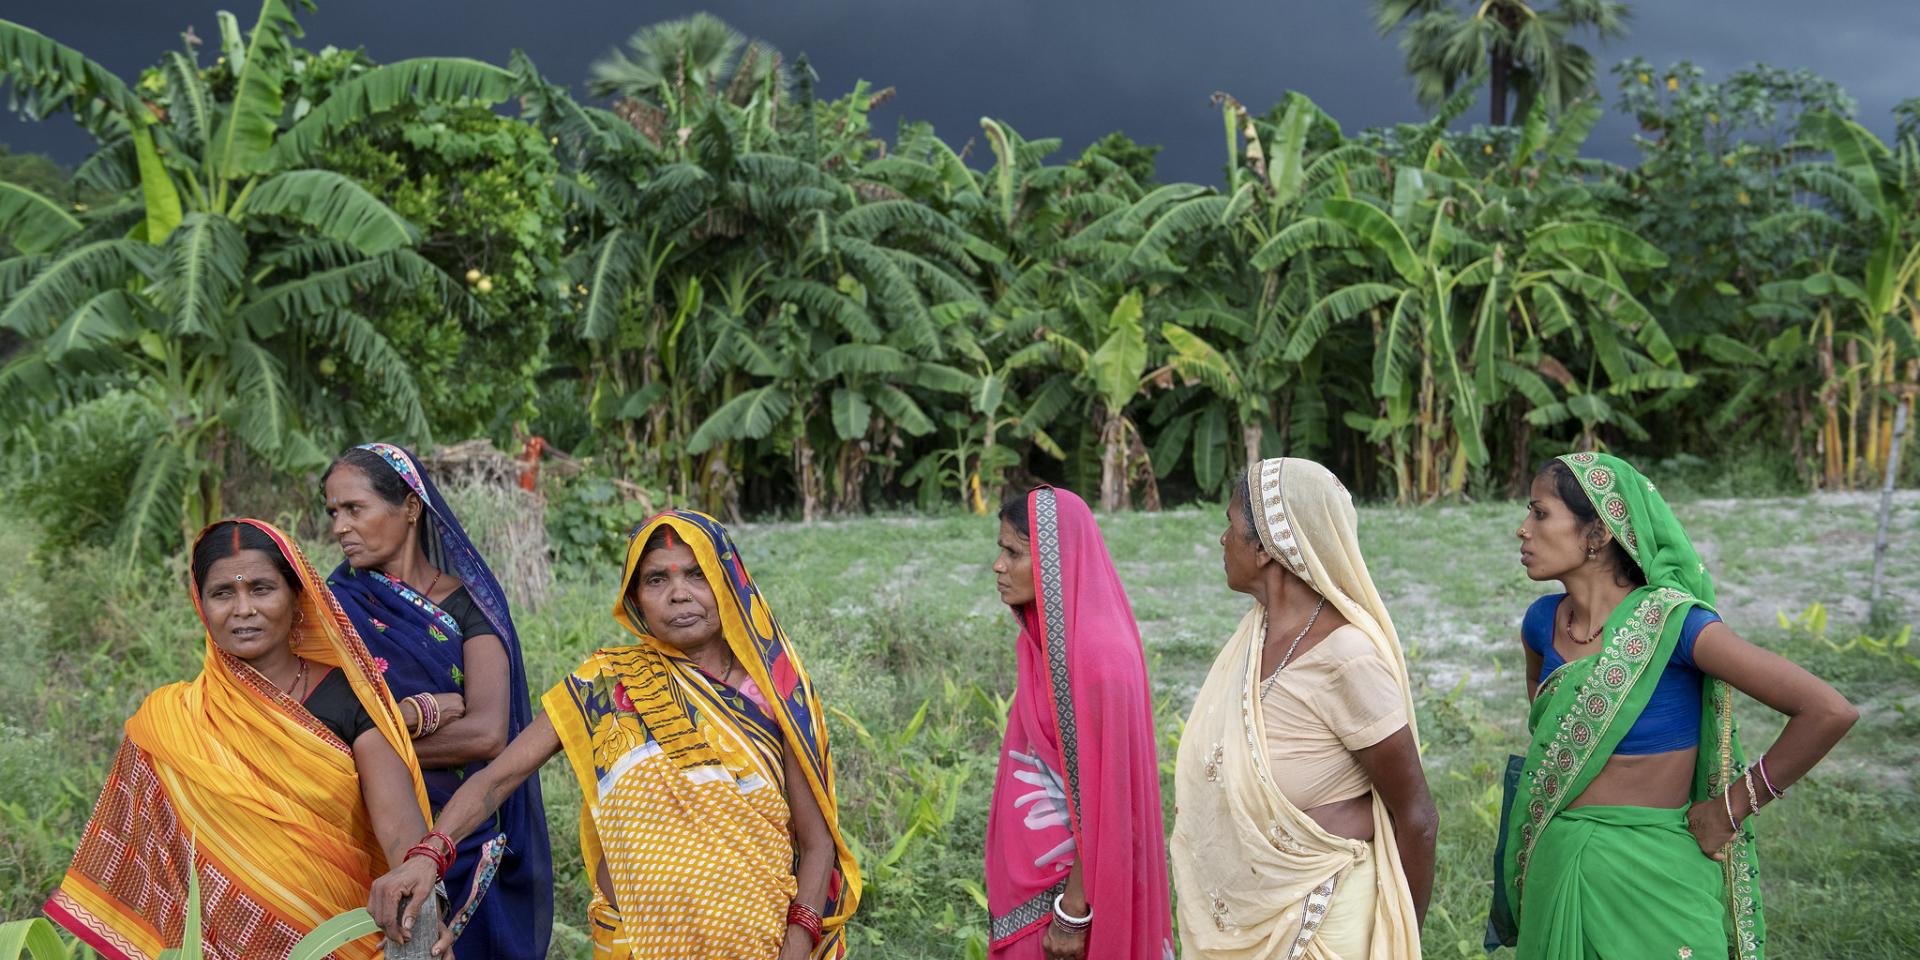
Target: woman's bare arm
[1393, 765]
[471, 805]
[813, 842]
[386, 786]
[1817, 717]
[481, 732]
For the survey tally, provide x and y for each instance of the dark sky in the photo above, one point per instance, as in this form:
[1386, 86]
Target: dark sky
[1075, 70]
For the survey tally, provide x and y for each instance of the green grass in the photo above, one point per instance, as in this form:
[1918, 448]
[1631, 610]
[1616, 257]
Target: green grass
[897, 619]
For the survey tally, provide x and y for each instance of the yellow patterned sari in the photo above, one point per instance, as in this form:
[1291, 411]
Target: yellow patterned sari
[685, 795]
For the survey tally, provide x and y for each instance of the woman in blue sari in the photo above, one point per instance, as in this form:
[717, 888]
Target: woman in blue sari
[437, 623]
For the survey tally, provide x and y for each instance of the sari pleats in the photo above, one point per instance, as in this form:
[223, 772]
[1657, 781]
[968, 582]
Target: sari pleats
[1622, 882]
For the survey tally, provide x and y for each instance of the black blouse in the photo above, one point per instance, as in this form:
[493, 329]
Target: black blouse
[460, 606]
[333, 704]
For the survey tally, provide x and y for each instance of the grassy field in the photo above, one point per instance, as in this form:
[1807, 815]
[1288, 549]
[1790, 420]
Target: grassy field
[898, 621]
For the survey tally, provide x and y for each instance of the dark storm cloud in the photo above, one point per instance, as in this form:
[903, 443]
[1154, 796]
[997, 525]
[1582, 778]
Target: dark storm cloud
[1070, 70]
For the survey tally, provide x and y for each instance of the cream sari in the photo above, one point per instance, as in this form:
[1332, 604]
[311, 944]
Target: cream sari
[1255, 875]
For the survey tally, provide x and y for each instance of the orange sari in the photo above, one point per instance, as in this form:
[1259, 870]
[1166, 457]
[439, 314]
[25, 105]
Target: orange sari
[228, 773]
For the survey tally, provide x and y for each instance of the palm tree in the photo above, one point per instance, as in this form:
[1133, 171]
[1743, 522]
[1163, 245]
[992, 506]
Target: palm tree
[1525, 49]
[672, 66]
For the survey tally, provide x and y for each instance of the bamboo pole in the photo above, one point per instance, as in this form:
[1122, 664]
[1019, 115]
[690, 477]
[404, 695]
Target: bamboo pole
[1886, 498]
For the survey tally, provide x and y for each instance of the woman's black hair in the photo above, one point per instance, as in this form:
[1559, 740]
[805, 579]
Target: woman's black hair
[228, 537]
[1243, 492]
[661, 537]
[1013, 511]
[1568, 487]
[386, 481]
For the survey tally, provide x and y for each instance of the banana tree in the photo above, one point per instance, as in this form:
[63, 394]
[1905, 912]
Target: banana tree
[1878, 190]
[1266, 260]
[229, 279]
[1101, 360]
[1555, 289]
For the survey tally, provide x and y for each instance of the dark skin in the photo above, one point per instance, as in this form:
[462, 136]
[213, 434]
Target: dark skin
[1013, 577]
[1556, 545]
[377, 535]
[1392, 765]
[679, 608]
[250, 610]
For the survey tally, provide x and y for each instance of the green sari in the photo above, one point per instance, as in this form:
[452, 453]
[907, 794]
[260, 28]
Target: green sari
[1611, 882]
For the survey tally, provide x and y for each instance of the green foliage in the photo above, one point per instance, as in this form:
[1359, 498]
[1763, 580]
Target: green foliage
[477, 186]
[589, 520]
[728, 290]
[35, 939]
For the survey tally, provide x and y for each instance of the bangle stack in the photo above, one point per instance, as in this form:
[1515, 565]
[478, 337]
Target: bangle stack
[442, 861]
[1069, 921]
[428, 710]
[808, 919]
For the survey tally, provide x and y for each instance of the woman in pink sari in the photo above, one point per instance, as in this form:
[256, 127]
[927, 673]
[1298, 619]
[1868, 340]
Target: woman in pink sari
[1076, 855]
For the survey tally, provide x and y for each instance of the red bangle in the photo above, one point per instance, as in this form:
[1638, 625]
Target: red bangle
[808, 919]
[440, 863]
[452, 851]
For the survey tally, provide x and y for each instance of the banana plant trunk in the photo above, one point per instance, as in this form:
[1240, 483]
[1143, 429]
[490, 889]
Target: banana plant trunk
[808, 475]
[1252, 434]
[1113, 463]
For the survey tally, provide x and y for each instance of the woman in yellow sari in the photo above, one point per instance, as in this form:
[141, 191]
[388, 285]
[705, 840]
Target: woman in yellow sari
[1305, 829]
[281, 775]
[709, 825]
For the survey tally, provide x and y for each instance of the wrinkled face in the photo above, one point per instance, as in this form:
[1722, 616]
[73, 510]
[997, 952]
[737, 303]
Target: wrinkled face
[372, 533]
[249, 606]
[675, 599]
[1013, 567]
[1243, 556]
[1553, 542]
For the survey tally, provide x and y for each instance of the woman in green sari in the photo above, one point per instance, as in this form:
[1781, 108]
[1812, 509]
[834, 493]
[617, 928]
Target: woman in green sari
[1627, 836]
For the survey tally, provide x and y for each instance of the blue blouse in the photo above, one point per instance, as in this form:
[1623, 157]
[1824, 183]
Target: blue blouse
[1671, 720]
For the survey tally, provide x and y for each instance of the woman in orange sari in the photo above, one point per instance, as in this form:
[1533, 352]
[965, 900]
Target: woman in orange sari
[282, 775]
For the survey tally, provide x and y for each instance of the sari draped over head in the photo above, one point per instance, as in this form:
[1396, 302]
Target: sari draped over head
[1079, 777]
[228, 776]
[422, 650]
[685, 794]
[1255, 874]
[1580, 713]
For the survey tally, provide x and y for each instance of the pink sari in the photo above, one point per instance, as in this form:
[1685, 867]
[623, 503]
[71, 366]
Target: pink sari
[1079, 776]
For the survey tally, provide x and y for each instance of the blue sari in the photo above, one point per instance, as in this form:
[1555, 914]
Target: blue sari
[424, 652]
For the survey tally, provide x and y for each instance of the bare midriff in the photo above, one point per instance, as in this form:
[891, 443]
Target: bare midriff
[1644, 780]
[1351, 818]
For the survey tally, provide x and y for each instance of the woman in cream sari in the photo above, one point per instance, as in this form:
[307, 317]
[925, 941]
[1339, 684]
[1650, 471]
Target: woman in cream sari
[1303, 825]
